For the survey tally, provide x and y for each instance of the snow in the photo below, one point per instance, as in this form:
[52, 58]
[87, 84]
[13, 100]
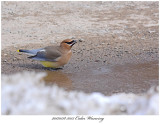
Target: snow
[26, 93]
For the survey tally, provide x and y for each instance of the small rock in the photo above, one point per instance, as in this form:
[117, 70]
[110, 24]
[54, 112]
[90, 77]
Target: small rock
[81, 40]
[151, 31]
[97, 61]
[14, 59]
[73, 38]
[113, 36]
[15, 46]
[142, 38]
[102, 43]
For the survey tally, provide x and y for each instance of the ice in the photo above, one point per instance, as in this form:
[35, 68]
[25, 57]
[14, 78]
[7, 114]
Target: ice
[26, 93]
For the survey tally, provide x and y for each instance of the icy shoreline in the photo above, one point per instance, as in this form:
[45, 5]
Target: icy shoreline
[26, 93]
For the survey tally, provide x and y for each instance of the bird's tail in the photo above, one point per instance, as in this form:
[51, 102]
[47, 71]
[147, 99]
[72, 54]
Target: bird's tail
[25, 51]
[21, 50]
[29, 52]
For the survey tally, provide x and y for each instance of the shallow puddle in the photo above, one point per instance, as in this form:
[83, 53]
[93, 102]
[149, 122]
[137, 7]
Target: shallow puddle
[135, 78]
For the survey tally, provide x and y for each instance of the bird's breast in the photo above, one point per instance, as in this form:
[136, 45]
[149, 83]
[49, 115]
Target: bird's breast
[65, 58]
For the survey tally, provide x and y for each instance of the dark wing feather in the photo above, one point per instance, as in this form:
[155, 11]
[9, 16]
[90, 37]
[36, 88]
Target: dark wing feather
[50, 53]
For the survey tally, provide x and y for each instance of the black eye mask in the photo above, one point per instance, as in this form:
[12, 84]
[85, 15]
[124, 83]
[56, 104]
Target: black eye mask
[71, 42]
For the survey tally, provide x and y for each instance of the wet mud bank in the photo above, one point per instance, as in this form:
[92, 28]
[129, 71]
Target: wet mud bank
[128, 78]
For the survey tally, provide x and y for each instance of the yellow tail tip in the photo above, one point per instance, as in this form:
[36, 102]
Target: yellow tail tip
[17, 50]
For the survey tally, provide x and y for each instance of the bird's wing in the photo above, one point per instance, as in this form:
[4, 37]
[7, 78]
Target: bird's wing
[50, 53]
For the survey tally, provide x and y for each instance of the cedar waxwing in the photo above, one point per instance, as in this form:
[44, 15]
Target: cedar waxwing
[52, 56]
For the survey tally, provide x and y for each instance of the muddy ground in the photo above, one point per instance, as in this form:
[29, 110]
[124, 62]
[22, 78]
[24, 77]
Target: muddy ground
[117, 49]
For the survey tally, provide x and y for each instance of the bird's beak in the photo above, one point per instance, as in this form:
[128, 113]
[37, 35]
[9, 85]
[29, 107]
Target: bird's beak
[74, 41]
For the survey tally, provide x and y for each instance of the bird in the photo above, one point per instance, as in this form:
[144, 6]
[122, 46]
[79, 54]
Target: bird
[52, 56]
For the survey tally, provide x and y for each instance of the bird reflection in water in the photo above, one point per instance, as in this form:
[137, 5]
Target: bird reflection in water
[59, 78]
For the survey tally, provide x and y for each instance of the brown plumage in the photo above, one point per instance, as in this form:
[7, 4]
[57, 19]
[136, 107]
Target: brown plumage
[53, 56]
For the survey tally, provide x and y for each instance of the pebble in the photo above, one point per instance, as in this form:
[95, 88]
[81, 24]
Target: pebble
[73, 38]
[15, 46]
[117, 55]
[97, 60]
[151, 31]
[81, 40]
[142, 38]
[102, 43]
[113, 36]
[14, 59]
